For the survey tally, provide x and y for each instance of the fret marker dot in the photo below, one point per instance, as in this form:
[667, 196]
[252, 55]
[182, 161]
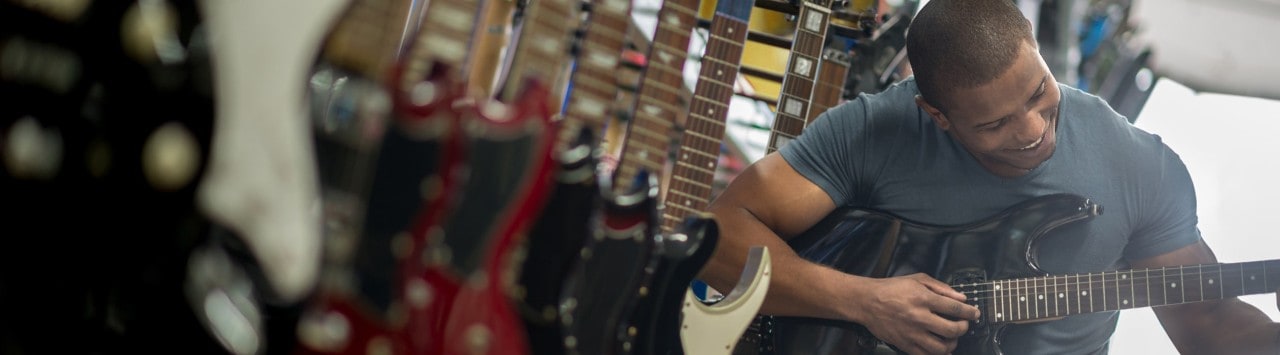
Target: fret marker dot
[719, 72]
[1173, 285]
[1062, 295]
[711, 164]
[1084, 293]
[997, 287]
[1022, 299]
[1122, 277]
[710, 112]
[1210, 281]
[1252, 277]
[686, 156]
[1125, 302]
[730, 29]
[1041, 297]
[999, 315]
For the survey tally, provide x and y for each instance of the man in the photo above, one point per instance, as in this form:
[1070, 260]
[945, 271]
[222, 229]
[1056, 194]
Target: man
[982, 126]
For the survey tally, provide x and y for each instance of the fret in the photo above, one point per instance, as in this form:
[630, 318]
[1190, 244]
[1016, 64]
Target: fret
[660, 95]
[1021, 299]
[695, 183]
[1080, 293]
[1272, 270]
[649, 133]
[1193, 289]
[670, 217]
[1053, 305]
[1232, 280]
[708, 100]
[702, 153]
[691, 210]
[1038, 299]
[1155, 286]
[1110, 291]
[1092, 292]
[682, 193]
[696, 168]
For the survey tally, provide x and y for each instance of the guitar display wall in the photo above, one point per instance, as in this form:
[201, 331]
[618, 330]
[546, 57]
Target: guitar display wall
[475, 188]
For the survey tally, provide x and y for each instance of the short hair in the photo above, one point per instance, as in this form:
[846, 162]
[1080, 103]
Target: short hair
[960, 44]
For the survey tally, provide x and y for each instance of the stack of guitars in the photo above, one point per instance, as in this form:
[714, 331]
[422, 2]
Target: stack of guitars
[466, 207]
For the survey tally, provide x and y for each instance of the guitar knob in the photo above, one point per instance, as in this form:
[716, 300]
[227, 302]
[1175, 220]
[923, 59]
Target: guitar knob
[31, 151]
[149, 33]
[170, 157]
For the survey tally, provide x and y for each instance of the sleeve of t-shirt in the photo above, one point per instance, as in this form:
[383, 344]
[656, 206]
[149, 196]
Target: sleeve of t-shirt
[1168, 210]
[831, 150]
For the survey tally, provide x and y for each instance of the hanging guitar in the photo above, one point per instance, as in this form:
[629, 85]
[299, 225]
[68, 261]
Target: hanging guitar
[555, 240]
[1008, 287]
[387, 141]
[472, 258]
[689, 235]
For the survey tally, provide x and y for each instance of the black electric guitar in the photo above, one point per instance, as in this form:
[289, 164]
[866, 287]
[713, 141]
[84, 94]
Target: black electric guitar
[994, 263]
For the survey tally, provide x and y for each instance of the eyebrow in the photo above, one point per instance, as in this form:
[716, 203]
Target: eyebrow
[1040, 88]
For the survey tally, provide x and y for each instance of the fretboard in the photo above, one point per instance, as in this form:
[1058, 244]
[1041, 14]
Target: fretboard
[830, 87]
[595, 81]
[689, 188]
[1057, 296]
[443, 39]
[661, 100]
[542, 49]
[799, 82]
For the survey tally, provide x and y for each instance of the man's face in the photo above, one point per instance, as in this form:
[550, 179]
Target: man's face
[1009, 124]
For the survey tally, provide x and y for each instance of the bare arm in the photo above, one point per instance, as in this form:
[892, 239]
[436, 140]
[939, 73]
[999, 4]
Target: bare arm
[1227, 326]
[770, 201]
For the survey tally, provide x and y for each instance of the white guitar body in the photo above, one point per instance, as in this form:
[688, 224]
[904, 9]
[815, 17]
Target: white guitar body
[715, 329]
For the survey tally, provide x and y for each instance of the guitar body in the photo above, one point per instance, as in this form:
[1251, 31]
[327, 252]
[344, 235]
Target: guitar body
[554, 242]
[877, 244]
[609, 275]
[510, 167]
[679, 257]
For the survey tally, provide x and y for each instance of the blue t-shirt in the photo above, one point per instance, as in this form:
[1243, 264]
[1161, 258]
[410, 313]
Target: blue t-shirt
[882, 151]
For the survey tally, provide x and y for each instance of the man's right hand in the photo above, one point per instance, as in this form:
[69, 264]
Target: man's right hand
[915, 313]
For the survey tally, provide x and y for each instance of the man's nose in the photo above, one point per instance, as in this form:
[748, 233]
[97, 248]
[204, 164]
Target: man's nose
[1032, 129]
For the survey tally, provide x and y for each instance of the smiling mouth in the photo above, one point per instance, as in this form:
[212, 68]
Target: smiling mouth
[1033, 145]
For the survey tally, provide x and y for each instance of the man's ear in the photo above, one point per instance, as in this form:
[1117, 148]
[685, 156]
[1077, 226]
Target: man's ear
[939, 118]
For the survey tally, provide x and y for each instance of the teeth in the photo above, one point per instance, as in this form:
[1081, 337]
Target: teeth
[1033, 144]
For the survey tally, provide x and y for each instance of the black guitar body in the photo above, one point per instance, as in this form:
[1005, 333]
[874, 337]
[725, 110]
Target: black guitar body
[877, 244]
[555, 242]
[678, 259]
[609, 276]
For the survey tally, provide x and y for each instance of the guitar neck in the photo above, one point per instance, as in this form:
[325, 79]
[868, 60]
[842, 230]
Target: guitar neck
[801, 78]
[595, 82]
[661, 100]
[542, 49]
[364, 40]
[443, 40]
[1057, 296]
[689, 188]
[830, 87]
